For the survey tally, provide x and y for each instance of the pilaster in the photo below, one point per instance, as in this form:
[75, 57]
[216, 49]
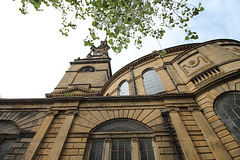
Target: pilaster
[35, 143]
[218, 150]
[186, 143]
[62, 135]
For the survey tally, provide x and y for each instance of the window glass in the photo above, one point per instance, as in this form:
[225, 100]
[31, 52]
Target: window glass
[152, 82]
[8, 127]
[121, 149]
[121, 125]
[96, 150]
[87, 69]
[146, 149]
[114, 140]
[5, 147]
[227, 106]
[6, 144]
[124, 89]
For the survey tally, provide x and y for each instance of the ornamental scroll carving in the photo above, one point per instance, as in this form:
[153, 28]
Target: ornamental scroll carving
[237, 50]
[193, 63]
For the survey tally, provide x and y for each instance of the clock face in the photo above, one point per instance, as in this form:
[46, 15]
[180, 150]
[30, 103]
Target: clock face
[98, 53]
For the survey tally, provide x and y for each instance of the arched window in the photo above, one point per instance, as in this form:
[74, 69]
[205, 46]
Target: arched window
[87, 69]
[124, 89]
[227, 106]
[114, 140]
[10, 132]
[152, 82]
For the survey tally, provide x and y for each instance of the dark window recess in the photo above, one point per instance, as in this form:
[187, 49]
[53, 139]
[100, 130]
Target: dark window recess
[5, 146]
[87, 69]
[227, 106]
[121, 125]
[121, 150]
[96, 150]
[146, 149]
[8, 127]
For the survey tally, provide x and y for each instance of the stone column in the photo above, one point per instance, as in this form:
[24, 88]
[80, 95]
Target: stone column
[62, 136]
[218, 149]
[35, 143]
[186, 143]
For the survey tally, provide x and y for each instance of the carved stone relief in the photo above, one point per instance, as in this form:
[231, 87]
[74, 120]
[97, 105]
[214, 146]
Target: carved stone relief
[236, 50]
[193, 63]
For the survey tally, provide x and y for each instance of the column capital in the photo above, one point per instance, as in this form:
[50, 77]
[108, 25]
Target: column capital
[52, 113]
[107, 140]
[171, 108]
[71, 112]
[194, 108]
[134, 140]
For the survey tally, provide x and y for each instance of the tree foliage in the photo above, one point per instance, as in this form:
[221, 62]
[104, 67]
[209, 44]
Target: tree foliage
[123, 20]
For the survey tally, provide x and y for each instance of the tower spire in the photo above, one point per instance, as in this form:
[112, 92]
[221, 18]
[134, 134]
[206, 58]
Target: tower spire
[101, 50]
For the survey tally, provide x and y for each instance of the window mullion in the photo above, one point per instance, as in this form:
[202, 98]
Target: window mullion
[107, 149]
[135, 149]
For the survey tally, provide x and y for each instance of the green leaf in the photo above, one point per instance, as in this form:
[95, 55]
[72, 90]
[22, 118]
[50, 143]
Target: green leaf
[110, 41]
[123, 21]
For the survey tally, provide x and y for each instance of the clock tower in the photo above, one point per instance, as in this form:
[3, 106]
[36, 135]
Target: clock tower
[87, 76]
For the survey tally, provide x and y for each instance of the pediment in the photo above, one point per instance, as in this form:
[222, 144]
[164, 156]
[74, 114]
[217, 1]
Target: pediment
[74, 91]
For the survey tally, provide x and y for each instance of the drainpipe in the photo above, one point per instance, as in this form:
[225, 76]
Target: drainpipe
[134, 84]
[165, 68]
[166, 122]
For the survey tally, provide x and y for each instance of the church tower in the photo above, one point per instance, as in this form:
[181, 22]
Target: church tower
[86, 77]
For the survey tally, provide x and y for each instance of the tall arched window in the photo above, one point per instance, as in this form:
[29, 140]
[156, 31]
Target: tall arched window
[114, 140]
[10, 132]
[152, 82]
[227, 106]
[124, 89]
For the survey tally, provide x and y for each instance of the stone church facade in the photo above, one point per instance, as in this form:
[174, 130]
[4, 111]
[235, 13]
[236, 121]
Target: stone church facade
[185, 105]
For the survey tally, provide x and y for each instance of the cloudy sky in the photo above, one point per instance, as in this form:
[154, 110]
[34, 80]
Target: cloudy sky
[34, 55]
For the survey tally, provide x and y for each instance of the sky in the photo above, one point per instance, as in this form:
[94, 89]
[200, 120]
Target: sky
[34, 55]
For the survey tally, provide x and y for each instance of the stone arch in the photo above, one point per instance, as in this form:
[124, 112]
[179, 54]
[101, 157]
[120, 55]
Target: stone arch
[26, 121]
[86, 121]
[206, 102]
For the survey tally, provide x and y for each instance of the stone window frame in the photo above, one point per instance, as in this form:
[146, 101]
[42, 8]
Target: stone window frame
[157, 84]
[133, 136]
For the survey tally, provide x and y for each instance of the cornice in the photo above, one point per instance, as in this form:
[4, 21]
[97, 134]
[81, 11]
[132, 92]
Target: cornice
[25, 100]
[87, 61]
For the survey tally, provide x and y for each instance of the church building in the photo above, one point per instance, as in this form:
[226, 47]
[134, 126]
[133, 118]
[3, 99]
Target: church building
[183, 106]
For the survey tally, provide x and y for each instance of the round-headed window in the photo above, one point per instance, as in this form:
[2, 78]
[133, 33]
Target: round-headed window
[124, 89]
[227, 106]
[152, 82]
